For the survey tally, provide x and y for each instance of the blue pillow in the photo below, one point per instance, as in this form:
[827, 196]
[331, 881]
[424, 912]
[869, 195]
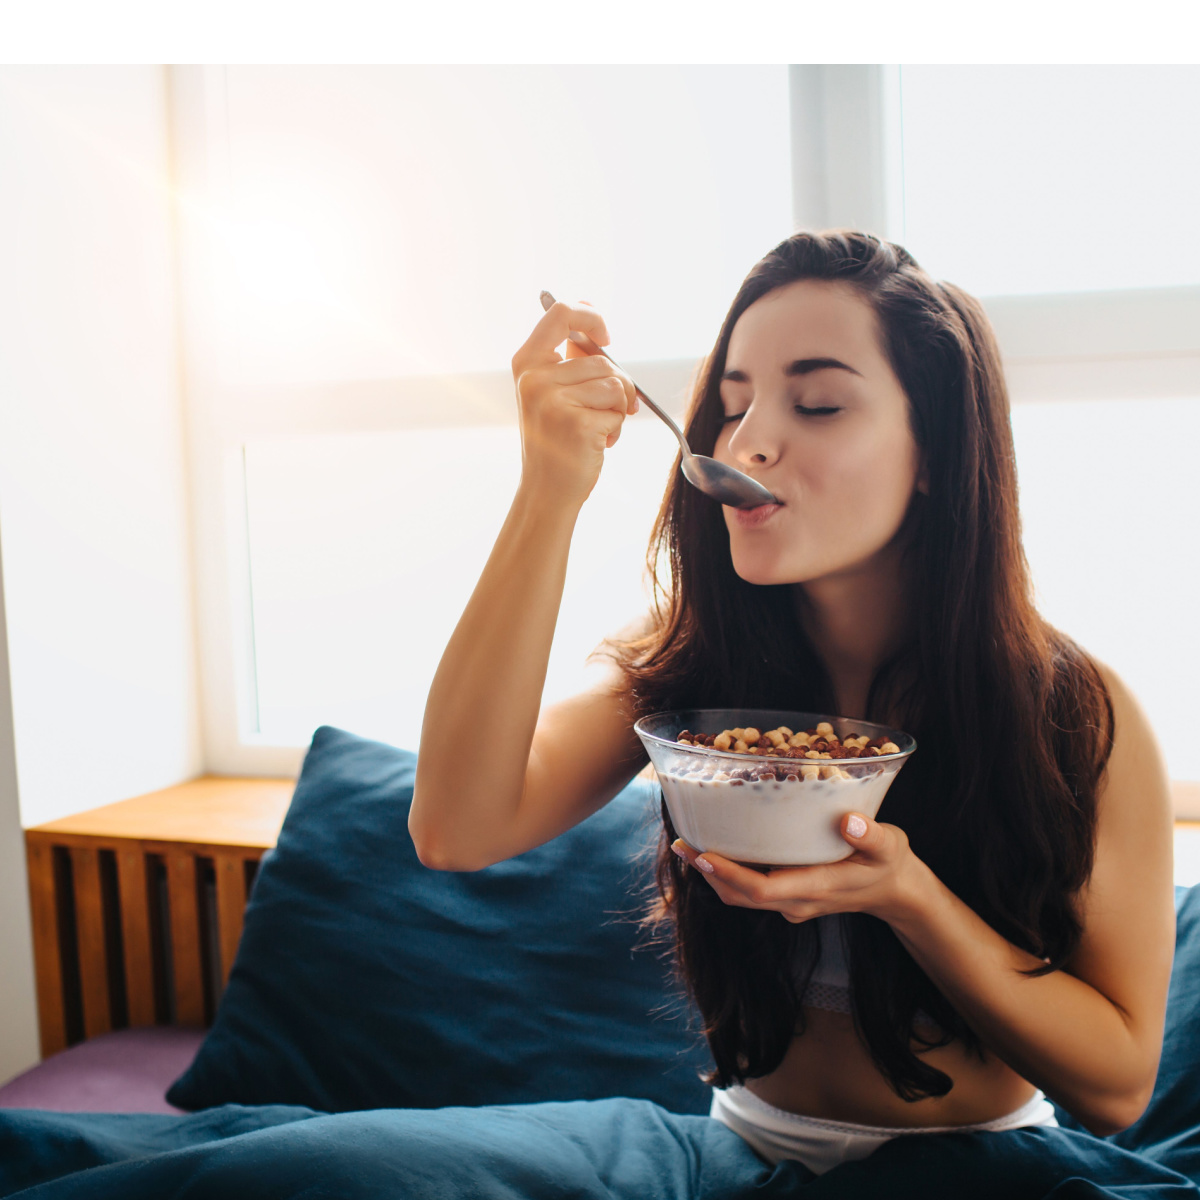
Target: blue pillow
[366, 980]
[1168, 1132]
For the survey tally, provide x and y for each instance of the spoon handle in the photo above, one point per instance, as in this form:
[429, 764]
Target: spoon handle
[584, 342]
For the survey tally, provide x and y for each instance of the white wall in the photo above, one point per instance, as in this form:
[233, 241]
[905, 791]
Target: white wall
[93, 500]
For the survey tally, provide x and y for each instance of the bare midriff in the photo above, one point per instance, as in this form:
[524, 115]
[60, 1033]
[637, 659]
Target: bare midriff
[828, 1073]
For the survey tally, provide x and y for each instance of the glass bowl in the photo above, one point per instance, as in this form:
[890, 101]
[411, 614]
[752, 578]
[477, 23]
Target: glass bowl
[764, 809]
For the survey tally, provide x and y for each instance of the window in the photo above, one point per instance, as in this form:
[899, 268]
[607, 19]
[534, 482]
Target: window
[1108, 493]
[1064, 197]
[362, 252]
[360, 574]
[1052, 179]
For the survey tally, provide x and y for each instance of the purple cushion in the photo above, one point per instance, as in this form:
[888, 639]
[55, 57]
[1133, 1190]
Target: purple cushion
[123, 1072]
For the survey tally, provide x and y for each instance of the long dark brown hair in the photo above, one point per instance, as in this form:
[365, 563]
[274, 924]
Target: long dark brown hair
[1013, 721]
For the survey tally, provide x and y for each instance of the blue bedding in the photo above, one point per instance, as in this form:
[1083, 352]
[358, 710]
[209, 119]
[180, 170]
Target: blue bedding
[617, 1149]
[429, 1000]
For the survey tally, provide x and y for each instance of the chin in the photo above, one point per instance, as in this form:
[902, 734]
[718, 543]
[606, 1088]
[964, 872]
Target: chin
[763, 572]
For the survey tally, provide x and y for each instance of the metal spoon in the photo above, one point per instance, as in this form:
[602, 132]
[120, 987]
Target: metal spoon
[713, 478]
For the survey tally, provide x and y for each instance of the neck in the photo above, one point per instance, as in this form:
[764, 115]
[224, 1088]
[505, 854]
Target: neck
[856, 619]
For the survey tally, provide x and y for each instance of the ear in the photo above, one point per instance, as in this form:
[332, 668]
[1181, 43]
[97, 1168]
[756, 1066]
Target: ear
[923, 480]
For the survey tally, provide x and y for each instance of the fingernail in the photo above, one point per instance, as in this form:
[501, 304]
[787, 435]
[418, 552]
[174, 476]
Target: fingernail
[677, 846]
[856, 826]
[703, 864]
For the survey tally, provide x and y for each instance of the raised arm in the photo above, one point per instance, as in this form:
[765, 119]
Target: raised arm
[493, 780]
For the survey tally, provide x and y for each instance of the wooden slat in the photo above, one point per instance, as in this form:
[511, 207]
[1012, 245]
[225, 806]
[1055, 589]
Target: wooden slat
[231, 907]
[43, 901]
[186, 968]
[135, 934]
[93, 957]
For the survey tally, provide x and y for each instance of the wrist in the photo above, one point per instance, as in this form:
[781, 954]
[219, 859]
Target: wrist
[539, 509]
[916, 895]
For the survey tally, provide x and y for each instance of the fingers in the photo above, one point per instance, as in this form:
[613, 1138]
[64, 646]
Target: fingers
[541, 347]
[588, 382]
[595, 367]
[574, 351]
[871, 880]
[797, 893]
[759, 889]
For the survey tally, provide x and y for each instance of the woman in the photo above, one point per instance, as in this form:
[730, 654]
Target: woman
[1005, 928]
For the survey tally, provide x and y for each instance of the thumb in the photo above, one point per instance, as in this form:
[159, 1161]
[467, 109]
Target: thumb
[863, 833]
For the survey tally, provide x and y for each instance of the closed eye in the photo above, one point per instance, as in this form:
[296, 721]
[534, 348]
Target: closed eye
[824, 411]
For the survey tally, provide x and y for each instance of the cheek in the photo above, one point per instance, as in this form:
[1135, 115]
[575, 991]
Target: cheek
[861, 492]
[883, 468]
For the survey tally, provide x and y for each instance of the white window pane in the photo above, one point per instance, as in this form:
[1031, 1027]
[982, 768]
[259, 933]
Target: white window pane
[1053, 179]
[1110, 501]
[1187, 855]
[359, 580]
[378, 222]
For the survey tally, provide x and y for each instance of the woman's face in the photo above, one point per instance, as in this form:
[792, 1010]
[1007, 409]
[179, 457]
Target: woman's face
[814, 412]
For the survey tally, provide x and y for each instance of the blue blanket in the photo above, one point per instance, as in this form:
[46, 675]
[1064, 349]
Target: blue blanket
[617, 1149]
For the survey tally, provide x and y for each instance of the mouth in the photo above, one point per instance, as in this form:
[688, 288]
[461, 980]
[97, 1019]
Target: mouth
[752, 517]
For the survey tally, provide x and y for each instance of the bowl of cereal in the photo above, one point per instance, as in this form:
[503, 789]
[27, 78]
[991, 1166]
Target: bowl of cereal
[767, 787]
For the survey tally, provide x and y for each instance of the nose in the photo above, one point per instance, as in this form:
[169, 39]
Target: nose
[757, 440]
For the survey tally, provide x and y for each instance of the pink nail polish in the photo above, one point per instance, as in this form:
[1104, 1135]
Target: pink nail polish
[704, 864]
[856, 826]
[679, 850]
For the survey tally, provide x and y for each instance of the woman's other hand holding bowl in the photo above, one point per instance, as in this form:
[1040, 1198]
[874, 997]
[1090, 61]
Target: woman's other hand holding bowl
[881, 877]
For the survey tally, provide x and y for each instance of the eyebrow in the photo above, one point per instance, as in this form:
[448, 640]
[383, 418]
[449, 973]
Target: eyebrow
[802, 366]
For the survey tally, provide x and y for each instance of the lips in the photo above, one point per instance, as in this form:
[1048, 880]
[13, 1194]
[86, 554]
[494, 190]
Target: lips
[751, 517]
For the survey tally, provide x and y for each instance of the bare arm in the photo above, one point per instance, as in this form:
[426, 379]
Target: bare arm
[1090, 1036]
[493, 781]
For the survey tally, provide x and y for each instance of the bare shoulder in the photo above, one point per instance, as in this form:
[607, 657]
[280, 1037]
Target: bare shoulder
[1128, 903]
[1134, 789]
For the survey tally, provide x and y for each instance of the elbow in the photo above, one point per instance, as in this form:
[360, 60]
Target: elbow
[435, 855]
[1117, 1113]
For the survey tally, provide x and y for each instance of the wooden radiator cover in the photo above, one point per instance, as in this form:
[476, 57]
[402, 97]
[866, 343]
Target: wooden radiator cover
[137, 906]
